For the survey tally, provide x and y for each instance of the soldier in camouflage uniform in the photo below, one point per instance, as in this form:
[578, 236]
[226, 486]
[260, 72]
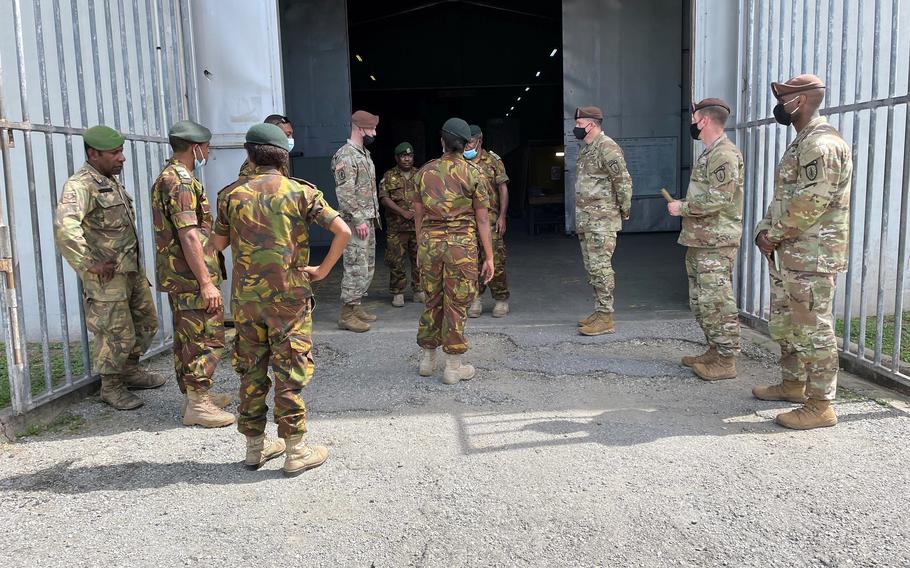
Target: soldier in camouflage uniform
[355, 187]
[495, 180]
[603, 200]
[396, 192]
[450, 212]
[712, 226]
[95, 231]
[284, 123]
[805, 235]
[264, 218]
[187, 269]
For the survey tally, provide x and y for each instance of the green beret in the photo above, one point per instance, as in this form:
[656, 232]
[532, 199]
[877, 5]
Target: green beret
[476, 131]
[404, 148]
[103, 138]
[457, 127]
[268, 134]
[190, 131]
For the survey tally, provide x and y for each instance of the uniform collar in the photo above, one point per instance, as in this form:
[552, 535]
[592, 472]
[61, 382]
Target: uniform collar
[98, 176]
[358, 147]
[180, 166]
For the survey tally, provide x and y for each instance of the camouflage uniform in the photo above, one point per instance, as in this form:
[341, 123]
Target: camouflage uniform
[494, 172]
[266, 217]
[449, 189]
[401, 242]
[355, 187]
[603, 197]
[809, 217]
[179, 201]
[94, 221]
[247, 169]
[712, 226]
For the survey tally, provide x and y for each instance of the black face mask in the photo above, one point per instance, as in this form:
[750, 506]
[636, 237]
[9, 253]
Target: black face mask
[579, 132]
[782, 116]
[367, 139]
[695, 131]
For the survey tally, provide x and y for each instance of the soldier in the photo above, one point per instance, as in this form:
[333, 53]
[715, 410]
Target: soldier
[355, 187]
[712, 225]
[805, 235]
[264, 218]
[95, 231]
[496, 180]
[603, 200]
[284, 123]
[188, 270]
[450, 211]
[396, 192]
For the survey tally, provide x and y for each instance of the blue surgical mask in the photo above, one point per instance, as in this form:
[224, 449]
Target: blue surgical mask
[470, 154]
[197, 163]
[290, 144]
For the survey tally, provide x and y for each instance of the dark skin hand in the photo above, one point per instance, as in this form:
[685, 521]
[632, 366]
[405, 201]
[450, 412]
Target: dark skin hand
[765, 245]
[104, 268]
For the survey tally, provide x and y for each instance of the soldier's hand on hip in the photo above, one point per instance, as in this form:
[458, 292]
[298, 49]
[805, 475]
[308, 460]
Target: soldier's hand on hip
[104, 268]
[501, 226]
[316, 273]
[212, 297]
[764, 244]
[362, 231]
[486, 272]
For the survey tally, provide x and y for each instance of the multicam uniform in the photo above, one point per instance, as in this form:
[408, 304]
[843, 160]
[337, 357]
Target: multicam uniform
[494, 172]
[401, 242]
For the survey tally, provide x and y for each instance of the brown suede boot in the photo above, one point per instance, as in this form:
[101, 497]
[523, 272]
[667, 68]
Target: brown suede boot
[588, 320]
[816, 413]
[135, 377]
[351, 322]
[201, 411]
[790, 391]
[301, 457]
[260, 449]
[363, 315]
[114, 392]
[717, 369]
[603, 323]
[690, 360]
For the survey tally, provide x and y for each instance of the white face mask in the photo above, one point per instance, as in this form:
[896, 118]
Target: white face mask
[198, 162]
[290, 144]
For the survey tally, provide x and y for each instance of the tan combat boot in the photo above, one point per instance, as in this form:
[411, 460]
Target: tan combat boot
[202, 411]
[456, 371]
[717, 369]
[588, 320]
[135, 377]
[501, 308]
[790, 391]
[301, 457]
[420, 298]
[260, 449]
[219, 399]
[815, 413]
[114, 392]
[398, 300]
[603, 323]
[350, 322]
[476, 308]
[363, 315]
[427, 362]
[690, 360]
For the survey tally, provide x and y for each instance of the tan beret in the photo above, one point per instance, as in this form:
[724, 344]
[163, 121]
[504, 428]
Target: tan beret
[711, 102]
[363, 119]
[589, 112]
[797, 84]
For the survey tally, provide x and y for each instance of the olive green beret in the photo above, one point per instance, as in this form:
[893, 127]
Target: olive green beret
[476, 131]
[103, 138]
[190, 131]
[268, 134]
[457, 127]
[404, 148]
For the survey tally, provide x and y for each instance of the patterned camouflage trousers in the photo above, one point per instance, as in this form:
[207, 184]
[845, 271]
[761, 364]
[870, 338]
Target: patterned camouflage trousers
[802, 323]
[597, 253]
[499, 285]
[198, 343]
[710, 272]
[401, 249]
[123, 320]
[359, 263]
[448, 274]
[280, 334]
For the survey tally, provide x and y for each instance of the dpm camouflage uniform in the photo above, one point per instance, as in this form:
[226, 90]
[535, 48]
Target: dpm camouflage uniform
[178, 202]
[712, 226]
[449, 189]
[603, 198]
[355, 187]
[247, 169]
[95, 221]
[494, 173]
[401, 242]
[809, 217]
[266, 218]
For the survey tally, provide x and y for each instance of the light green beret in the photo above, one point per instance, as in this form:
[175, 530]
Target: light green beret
[190, 131]
[103, 138]
[268, 134]
[404, 148]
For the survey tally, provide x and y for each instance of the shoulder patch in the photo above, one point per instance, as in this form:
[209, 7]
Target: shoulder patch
[69, 196]
[811, 170]
[720, 174]
[614, 166]
[494, 154]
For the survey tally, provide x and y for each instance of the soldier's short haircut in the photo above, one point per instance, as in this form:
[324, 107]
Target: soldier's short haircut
[276, 119]
[179, 144]
[716, 114]
[453, 143]
[267, 155]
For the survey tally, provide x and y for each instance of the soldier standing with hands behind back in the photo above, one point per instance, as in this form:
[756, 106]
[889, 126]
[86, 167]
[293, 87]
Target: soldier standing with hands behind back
[396, 193]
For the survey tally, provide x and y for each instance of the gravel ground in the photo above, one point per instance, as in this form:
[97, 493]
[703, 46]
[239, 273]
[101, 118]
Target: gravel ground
[564, 451]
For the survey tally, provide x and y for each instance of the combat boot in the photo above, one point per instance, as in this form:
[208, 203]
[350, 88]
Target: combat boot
[816, 413]
[716, 369]
[350, 322]
[114, 392]
[135, 377]
[219, 399]
[363, 315]
[420, 298]
[202, 411]
[456, 371]
[398, 300]
[603, 323]
[260, 449]
[790, 391]
[301, 457]
[588, 320]
[501, 308]
[428, 358]
[690, 360]
[476, 308]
